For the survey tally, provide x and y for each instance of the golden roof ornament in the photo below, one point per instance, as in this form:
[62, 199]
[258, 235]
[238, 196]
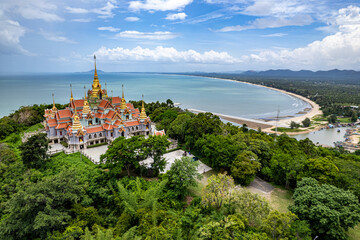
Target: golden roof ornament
[71, 97]
[86, 108]
[54, 109]
[76, 124]
[143, 113]
[96, 86]
[123, 102]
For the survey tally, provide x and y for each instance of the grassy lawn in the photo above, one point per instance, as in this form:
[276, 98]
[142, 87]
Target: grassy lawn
[344, 120]
[35, 127]
[280, 199]
[354, 233]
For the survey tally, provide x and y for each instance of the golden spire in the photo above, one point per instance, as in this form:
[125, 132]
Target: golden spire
[95, 74]
[143, 113]
[96, 86]
[54, 109]
[86, 108]
[76, 124]
[123, 102]
[71, 98]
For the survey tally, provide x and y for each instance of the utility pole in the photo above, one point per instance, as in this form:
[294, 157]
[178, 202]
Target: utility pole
[277, 119]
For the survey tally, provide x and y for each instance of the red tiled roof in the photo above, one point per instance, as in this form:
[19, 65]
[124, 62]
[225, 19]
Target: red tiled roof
[129, 105]
[107, 126]
[65, 113]
[79, 103]
[110, 114]
[103, 103]
[132, 123]
[107, 121]
[136, 115]
[118, 122]
[159, 133]
[136, 110]
[116, 100]
[61, 126]
[94, 129]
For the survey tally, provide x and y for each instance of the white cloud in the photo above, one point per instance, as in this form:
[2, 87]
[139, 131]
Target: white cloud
[104, 12]
[159, 5]
[83, 20]
[165, 54]
[77, 10]
[111, 29]
[274, 35]
[10, 34]
[271, 22]
[339, 50]
[147, 35]
[132, 19]
[55, 37]
[35, 9]
[176, 16]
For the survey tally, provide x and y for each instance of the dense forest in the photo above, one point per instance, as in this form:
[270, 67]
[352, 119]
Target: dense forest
[334, 95]
[68, 197]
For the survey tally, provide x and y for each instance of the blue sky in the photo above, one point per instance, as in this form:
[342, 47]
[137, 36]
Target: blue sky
[178, 35]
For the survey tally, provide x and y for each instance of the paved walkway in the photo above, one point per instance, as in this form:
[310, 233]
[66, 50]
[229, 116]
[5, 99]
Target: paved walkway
[170, 159]
[261, 185]
[95, 153]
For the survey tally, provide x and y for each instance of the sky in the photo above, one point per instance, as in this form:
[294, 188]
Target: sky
[178, 35]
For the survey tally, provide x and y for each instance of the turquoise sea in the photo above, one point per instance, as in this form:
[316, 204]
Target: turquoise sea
[214, 95]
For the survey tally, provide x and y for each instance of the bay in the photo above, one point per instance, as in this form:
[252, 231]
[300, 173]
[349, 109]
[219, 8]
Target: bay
[209, 94]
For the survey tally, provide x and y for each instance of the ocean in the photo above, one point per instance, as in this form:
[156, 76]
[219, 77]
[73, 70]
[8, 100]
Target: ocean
[208, 94]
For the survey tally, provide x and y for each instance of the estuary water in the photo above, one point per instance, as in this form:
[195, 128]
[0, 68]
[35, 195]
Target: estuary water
[208, 94]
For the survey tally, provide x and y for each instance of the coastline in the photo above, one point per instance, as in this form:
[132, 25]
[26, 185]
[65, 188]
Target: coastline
[314, 111]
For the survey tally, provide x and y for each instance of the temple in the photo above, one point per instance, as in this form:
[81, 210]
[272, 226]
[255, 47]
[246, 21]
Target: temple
[96, 118]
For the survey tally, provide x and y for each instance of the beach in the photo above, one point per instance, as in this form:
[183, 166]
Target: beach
[266, 126]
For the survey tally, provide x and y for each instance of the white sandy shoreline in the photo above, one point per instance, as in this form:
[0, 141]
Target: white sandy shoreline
[315, 109]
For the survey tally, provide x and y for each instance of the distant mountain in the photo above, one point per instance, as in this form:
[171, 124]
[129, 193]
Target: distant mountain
[335, 73]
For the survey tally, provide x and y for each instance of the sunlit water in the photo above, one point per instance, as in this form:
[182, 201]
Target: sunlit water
[325, 136]
[215, 95]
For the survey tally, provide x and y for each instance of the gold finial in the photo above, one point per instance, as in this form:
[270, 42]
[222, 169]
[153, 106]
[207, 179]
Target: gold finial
[86, 108]
[123, 102]
[143, 113]
[71, 97]
[95, 65]
[54, 109]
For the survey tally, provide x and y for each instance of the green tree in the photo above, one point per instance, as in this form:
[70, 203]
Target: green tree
[354, 116]
[178, 126]
[332, 118]
[330, 211]
[42, 207]
[124, 153]
[34, 150]
[218, 190]
[294, 125]
[252, 206]
[245, 167]
[306, 122]
[323, 169]
[182, 175]
[285, 226]
[200, 125]
[155, 148]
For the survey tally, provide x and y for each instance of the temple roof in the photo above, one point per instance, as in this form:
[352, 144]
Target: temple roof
[132, 123]
[65, 113]
[61, 126]
[116, 100]
[94, 129]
